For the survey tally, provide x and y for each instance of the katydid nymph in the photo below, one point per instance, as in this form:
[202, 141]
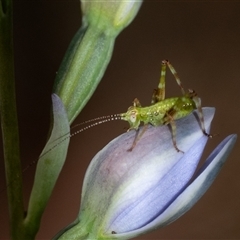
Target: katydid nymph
[161, 111]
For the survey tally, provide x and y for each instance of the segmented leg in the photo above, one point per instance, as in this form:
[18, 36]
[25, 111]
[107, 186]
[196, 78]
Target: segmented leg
[169, 119]
[159, 93]
[175, 75]
[197, 101]
[137, 137]
[136, 103]
[173, 128]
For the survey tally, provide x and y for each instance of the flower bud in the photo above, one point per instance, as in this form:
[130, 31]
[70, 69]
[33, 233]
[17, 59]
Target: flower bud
[126, 194]
[90, 51]
[110, 16]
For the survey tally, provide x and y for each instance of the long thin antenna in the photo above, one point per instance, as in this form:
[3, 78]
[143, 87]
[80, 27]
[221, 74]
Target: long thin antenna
[111, 117]
[103, 119]
[106, 118]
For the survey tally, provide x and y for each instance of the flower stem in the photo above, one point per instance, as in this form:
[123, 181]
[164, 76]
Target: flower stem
[9, 122]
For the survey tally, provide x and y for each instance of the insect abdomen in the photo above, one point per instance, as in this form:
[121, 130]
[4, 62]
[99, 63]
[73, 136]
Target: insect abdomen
[155, 113]
[183, 107]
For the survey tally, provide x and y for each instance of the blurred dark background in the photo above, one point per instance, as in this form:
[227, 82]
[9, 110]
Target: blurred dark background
[202, 41]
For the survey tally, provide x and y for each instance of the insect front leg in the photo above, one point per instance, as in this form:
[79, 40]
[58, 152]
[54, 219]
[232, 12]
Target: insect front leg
[137, 137]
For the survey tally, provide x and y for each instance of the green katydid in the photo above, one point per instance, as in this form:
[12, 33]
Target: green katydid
[161, 111]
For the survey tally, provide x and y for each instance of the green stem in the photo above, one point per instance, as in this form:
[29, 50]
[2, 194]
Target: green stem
[9, 122]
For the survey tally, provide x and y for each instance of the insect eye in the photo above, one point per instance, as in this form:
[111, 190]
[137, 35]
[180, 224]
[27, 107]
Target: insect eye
[133, 116]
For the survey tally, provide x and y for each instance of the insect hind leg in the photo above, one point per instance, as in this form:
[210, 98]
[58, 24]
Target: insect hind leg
[174, 72]
[197, 101]
[159, 93]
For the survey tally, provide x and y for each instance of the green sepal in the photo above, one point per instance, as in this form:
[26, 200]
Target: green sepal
[49, 167]
[82, 69]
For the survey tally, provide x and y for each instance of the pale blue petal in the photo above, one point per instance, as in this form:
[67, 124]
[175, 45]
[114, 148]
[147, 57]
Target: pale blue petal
[160, 194]
[193, 192]
[156, 179]
[126, 190]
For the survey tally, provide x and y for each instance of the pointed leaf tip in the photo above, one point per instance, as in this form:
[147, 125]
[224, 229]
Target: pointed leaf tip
[49, 164]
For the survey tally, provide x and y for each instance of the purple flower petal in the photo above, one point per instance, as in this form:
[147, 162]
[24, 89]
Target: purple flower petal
[203, 180]
[127, 190]
[126, 194]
